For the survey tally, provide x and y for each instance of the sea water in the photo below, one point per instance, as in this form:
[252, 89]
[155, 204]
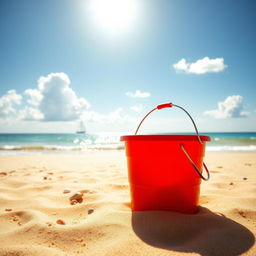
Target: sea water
[57, 143]
[17, 143]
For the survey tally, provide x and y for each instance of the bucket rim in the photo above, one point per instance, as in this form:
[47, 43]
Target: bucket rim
[168, 137]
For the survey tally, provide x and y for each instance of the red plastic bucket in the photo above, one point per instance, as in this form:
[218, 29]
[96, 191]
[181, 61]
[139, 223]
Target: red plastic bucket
[165, 171]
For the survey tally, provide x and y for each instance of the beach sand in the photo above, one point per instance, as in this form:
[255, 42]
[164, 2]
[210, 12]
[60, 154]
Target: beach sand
[32, 201]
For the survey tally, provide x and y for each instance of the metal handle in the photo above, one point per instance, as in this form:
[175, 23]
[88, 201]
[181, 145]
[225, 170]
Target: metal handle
[194, 165]
[169, 105]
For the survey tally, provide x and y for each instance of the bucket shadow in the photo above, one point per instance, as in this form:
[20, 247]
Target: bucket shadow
[206, 233]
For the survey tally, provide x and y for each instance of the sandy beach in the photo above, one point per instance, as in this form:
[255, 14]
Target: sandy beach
[32, 203]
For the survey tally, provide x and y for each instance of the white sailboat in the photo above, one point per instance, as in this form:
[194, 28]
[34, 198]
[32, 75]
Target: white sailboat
[81, 128]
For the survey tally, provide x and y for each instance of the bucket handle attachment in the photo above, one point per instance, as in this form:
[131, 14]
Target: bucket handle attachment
[169, 105]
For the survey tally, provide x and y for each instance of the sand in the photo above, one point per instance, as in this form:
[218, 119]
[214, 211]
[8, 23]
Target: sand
[32, 201]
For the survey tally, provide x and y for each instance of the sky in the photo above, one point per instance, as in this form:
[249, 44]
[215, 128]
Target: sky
[109, 62]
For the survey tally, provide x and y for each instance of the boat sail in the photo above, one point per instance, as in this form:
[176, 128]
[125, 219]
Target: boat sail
[81, 128]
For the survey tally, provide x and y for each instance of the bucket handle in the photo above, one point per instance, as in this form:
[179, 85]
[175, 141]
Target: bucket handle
[194, 165]
[169, 105]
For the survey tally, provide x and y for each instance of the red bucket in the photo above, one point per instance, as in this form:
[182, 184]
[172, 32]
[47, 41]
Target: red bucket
[165, 171]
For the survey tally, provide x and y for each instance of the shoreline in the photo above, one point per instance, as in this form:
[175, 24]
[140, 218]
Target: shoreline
[54, 143]
[39, 151]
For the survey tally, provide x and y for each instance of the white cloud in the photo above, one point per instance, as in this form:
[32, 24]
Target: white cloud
[181, 65]
[202, 66]
[8, 102]
[34, 95]
[116, 116]
[30, 114]
[232, 106]
[137, 108]
[55, 99]
[138, 94]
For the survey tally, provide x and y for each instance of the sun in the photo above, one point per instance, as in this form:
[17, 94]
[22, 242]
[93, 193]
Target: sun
[114, 16]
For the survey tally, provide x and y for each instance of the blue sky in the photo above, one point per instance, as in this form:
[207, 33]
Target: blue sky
[87, 68]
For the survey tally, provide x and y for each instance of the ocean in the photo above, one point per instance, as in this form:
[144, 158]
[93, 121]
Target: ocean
[59, 143]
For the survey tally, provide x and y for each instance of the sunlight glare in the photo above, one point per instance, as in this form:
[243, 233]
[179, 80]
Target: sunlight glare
[114, 16]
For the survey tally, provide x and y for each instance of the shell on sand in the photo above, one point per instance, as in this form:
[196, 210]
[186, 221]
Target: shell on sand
[76, 196]
[66, 190]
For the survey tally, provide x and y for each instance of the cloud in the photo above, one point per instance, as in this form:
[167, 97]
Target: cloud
[8, 102]
[138, 94]
[137, 108]
[35, 96]
[30, 114]
[55, 100]
[202, 66]
[116, 116]
[232, 106]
